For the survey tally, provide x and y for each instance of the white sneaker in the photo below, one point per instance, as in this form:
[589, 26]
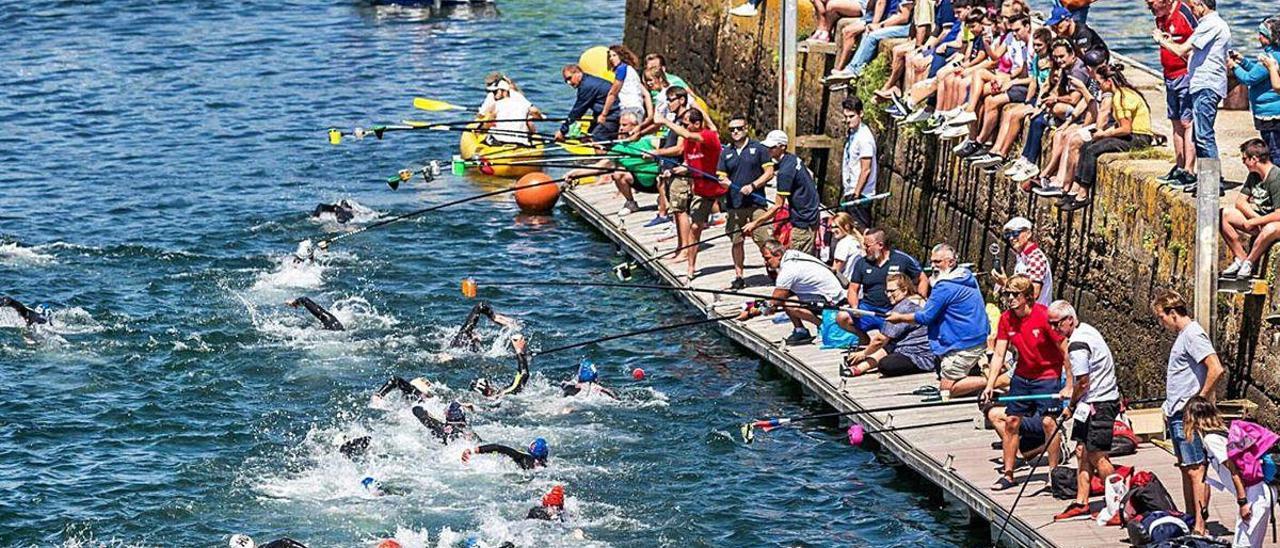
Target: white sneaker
[1031, 170]
[745, 10]
[949, 114]
[1233, 268]
[1246, 270]
[918, 115]
[956, 149]
[987, 161]
[840, 75]
[954, 132]
[962, 118]
[1018, 164]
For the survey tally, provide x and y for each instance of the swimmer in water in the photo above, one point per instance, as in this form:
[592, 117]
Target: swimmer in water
[552, 508]
[244, 541]
[328, 320]
[342, 211]
[466, 337]
[535, 458]
[453, 427]
[28, 315]
[586, 383]
[483, 386]
[415, 390]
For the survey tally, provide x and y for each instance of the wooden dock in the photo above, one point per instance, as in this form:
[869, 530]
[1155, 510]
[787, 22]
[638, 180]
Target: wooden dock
[956, 457]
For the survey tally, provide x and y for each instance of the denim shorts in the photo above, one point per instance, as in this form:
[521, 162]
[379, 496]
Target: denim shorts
[1188, 452]
[1177, 98]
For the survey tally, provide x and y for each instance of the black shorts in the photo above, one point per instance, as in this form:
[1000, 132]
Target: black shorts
[1098, 432]
[1017, 94]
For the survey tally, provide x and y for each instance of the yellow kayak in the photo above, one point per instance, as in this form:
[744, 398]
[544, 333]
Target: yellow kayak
[471, 146]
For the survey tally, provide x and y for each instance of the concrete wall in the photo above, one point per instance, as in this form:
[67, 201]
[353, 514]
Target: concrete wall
[1108, 259]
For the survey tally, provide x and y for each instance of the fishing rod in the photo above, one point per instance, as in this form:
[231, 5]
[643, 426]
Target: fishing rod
[324, 244]
[470, 287]
[634, 333]
[1057, 429]
[625, 270]
[857, 434]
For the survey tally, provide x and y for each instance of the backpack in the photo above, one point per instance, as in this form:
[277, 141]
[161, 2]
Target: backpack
[1158, 527]
[1146, 494]
[1123, 441]
[1247, 445]
[1062, 482]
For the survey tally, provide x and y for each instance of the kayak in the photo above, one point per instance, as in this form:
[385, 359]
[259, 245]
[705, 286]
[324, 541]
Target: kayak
[471, 146]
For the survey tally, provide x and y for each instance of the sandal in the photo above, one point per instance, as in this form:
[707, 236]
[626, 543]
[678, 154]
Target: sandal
[1003, 483]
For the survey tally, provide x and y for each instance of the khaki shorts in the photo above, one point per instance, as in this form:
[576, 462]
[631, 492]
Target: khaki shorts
[700, 209]
[679, 194]
[802, 239]
[956, 365]
[738, 218]
[922, 14]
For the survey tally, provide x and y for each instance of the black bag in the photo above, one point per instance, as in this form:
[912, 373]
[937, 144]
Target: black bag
[1062, 482]
[1157, 528]
[1146, 494]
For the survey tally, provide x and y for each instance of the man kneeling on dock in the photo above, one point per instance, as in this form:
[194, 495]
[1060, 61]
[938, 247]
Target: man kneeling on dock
[805, 277]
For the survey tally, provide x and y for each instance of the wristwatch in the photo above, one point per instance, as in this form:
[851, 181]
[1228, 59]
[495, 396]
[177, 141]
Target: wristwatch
[1242, 501]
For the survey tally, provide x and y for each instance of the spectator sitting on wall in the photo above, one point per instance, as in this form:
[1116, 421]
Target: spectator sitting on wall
[1067, 138]
[829, 12]
[1263, 101]
[958, 328]
[807, 279]
[891, 19]
[1256, 211]
[1004, 113]
[1012, 56]
[1031, 262]
[1059, 107]
[924, 19]
[750, 8]
[924, 64]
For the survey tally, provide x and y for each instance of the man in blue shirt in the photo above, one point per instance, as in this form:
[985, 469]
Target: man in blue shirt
[592, 92]
[745, 166]
[867, 283]
[796, 185]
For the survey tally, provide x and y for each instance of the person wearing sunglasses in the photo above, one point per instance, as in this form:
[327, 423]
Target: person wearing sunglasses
[1031, 261]
[1025, 326]
[593, 95]
[745, 167]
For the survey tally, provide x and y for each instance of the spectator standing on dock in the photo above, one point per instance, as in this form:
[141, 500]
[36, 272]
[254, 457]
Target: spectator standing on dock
[700, 148]
[1175, 18]
[1256, 211]
[593, 93]
[1263, 101]
[1206, 54]
[1095, 401]
[1031, 262]
[1193, 370]
[848, 244]
[958, 327]
[745, 167]
[795, 185]
[1025, 326]
[869, 281]
[807, 279]
[858, 165]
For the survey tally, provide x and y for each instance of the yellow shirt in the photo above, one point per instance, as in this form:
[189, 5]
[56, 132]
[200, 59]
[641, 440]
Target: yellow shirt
[1127, 104]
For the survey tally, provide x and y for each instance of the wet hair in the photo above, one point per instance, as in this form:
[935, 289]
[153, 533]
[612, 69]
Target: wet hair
[1255, 148]
[625, 54]
[1168, 300]
[851, 102]
[904, 282]
[1020, 283]
[1200, 416]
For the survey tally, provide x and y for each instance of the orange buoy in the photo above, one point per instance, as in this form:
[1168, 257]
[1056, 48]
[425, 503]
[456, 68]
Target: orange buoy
[536, 198]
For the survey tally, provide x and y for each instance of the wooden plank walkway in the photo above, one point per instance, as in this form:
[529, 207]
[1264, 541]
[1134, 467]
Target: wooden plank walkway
[958, 457]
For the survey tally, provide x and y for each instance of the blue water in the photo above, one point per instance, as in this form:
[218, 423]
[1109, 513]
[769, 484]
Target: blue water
[157, 163]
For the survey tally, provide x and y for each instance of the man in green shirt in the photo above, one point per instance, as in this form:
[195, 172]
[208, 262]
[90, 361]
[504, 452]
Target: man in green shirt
[634, 168]
[1256, 211]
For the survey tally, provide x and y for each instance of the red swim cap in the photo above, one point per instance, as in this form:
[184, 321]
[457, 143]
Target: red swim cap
[554, 497]
[389, 543]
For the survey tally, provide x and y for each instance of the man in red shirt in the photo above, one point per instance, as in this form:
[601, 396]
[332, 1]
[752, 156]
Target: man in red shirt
[701, 148]
[1025, 325]
[1175, 17]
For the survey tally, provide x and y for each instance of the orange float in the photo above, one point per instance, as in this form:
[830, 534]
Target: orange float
[536, 198]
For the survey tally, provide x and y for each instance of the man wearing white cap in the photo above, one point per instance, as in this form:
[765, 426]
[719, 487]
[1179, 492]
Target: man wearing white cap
[514, 115]
[1032, 261]
[796, 185]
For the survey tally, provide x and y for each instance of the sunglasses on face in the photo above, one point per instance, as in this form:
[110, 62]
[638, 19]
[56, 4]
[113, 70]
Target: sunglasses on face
[737, 128]
[1011, 293]
[1057, 322]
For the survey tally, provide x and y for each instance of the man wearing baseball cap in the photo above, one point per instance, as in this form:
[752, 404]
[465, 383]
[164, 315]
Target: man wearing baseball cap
[513, 113]
[797, 187]
[1031, 261]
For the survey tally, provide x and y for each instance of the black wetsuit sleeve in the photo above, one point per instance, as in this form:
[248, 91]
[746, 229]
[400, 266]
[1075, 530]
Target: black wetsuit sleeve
[285, 542]
[466, 333]
[524, 460]
[28, 315]
[398, 383]
[521, 378]
[324, 208]
[356, 447]
[436, 427]
[326, 319]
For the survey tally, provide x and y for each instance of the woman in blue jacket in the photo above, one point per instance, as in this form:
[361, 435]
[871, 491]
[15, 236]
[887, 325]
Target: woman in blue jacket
[1264, 101]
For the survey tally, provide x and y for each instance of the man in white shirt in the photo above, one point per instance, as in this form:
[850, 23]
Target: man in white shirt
[858, 166]
[513, 114]
[801, 277]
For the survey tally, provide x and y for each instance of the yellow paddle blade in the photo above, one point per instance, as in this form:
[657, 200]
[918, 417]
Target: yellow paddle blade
[422, 103]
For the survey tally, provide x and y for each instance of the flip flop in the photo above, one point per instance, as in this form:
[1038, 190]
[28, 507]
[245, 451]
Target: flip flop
[926, 390]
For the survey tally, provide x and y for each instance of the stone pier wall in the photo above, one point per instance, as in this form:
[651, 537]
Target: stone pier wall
[1108, 259]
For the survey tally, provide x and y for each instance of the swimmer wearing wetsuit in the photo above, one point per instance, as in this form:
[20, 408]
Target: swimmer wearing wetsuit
[466, 337]
[535, 458]
[453, 427]
[586, 384]
[342, 211]
[414, 390]
[552, 508]
[328, 320]
[28, 315]
[483, 386]
[243, 541]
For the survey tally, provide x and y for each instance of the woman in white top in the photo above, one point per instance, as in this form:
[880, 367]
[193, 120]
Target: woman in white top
[848, 245]
[628, 88]
[1200, 417]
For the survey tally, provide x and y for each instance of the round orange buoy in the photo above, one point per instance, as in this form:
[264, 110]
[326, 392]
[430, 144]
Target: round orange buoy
[536, 198]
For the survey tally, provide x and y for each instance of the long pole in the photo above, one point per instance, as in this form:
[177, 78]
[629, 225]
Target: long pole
[787, 75]
[1206, 262]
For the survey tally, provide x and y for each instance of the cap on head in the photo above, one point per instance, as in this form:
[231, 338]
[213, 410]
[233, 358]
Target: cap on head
[502, 85]
[480, 385]
[554, 497]
[454, 413]
[587, 371]
[421, 384]
[1060, 14]
[241, 541]
[1018, 224]
[775, 138]
[538, 449]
